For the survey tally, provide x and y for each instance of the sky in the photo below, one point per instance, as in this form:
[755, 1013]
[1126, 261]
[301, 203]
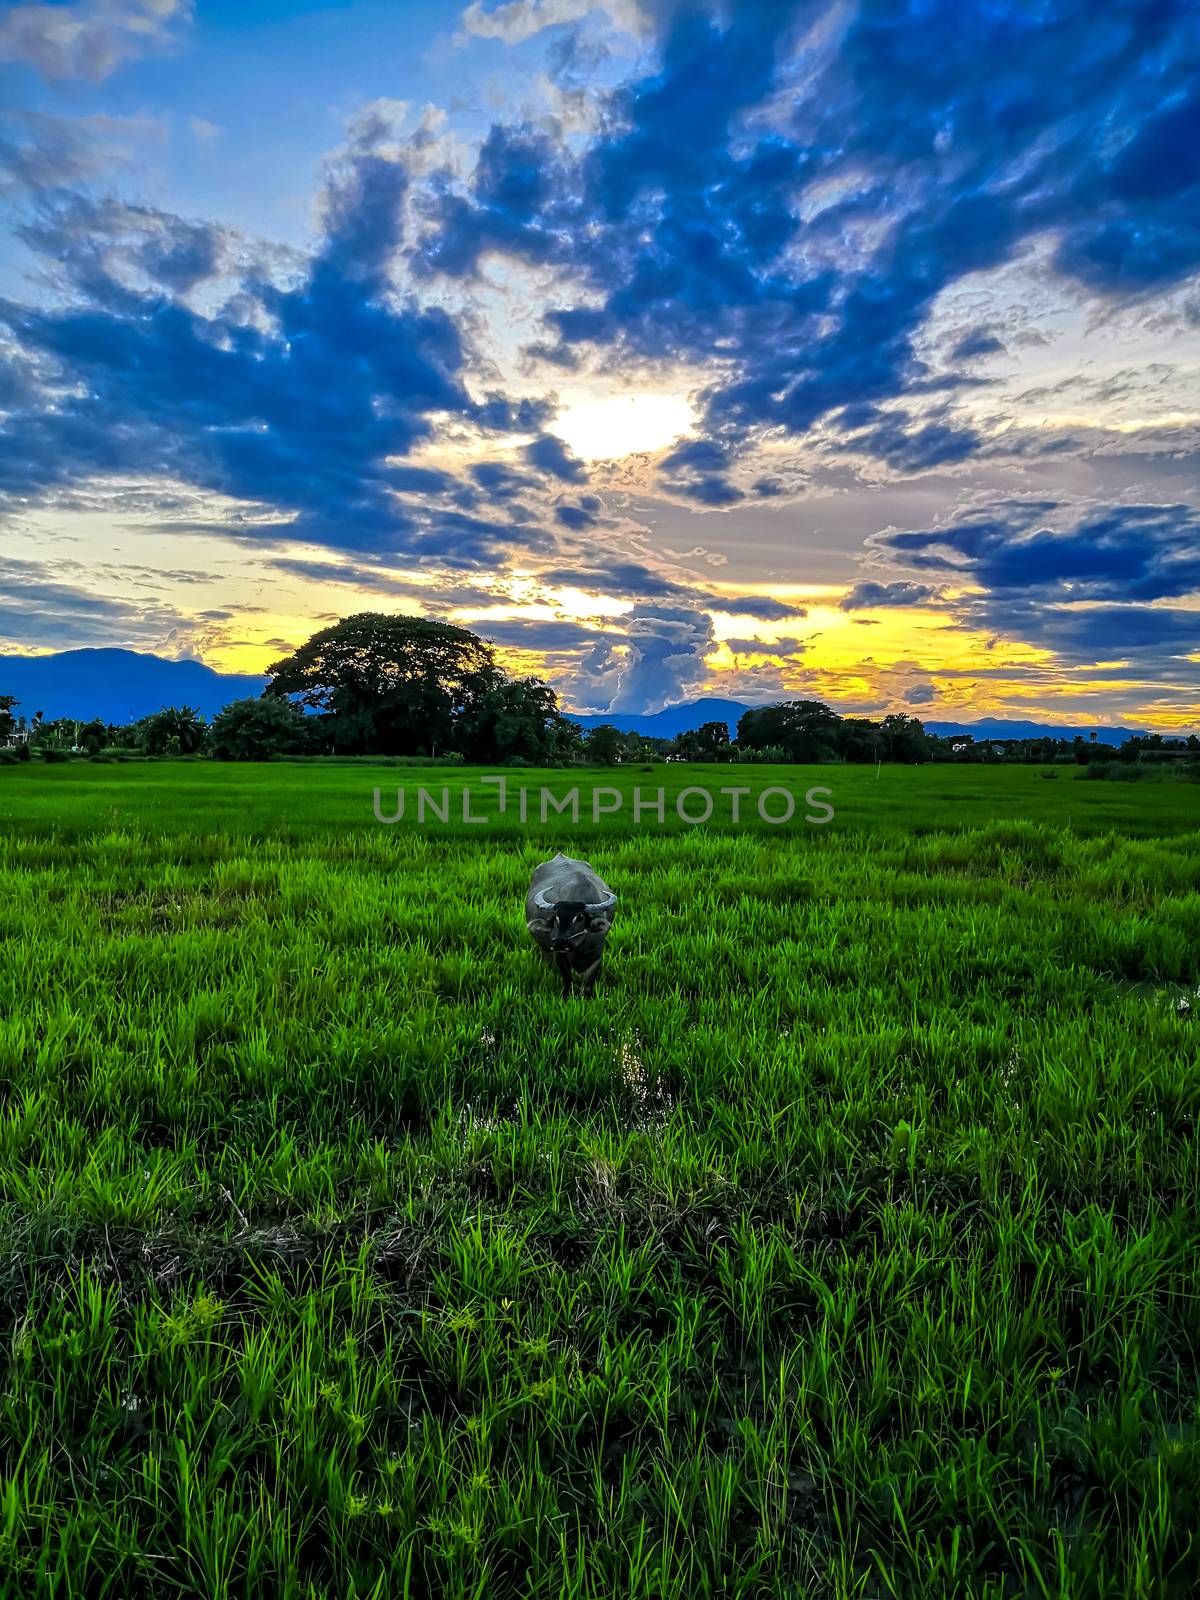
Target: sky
[762, 348]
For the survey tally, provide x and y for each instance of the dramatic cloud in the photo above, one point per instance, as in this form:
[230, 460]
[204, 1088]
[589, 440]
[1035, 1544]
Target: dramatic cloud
[799, 250]
[299, 398]
[1083, 590]
[890, 264]
[1131, 552]
[666, 647]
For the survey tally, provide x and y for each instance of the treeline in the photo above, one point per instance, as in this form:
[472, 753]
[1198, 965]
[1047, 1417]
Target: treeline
[394, 686]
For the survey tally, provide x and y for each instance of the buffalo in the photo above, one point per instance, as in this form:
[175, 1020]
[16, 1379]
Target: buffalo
[568, 911]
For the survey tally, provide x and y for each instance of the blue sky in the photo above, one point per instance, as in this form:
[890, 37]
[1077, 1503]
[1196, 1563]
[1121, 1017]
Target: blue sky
[759, 349]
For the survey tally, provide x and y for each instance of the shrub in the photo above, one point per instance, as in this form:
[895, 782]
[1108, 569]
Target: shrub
[255, 729]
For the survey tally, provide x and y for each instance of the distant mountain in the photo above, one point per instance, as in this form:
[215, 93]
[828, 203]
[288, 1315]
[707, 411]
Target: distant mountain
[671, 721]
[674, 720]
[998, 728]
[117, 685]
[123, 685]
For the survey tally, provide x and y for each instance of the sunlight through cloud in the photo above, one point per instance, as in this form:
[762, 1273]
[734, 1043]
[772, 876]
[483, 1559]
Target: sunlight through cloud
[603, 430]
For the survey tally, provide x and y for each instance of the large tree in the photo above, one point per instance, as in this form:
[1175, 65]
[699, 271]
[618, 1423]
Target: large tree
[605, 745]
[806, 729]
[906, 739]
[709, 742]
[516, 719]
[389, 685]
[7, 721]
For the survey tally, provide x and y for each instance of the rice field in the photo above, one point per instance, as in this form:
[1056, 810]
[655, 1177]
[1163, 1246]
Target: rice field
[846, 1243]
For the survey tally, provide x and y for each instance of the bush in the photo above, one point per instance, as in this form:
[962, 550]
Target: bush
[51, 756]
[256, 729]
[9, 758]
[173, 731]
[1131, 772]
[771, 755]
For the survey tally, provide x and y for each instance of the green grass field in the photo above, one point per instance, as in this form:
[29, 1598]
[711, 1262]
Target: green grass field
[847, 1243]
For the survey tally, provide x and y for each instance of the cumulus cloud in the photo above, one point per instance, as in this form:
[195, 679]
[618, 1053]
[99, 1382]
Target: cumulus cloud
[666, 646]
[90, 38]
[550, 455]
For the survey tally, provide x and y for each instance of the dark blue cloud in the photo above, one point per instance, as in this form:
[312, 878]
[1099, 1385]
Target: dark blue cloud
[577, 517]
[298, 398]
[761, 606]
[1090, 592]
[979, 342]
[550, 455]
[697, 471]
[499, 481]
[697, 455]
[516, 178]
[708, 491]
[505, 415]
[1135, 552]
[874, 595]
[912, 446]
[1141, 205]
[1151, 638]
[626, 578]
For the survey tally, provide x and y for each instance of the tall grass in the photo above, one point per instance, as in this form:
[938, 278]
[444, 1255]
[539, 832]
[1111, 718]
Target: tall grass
[844, 1244]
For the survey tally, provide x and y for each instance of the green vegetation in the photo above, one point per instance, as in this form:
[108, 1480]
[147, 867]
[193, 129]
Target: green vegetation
[844, 1244]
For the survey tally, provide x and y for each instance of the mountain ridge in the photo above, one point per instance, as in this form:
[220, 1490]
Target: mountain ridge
[121, 686]
[674, 720]
[118, 685]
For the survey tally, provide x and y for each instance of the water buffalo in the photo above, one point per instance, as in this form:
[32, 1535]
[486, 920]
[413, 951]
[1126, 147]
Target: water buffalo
[568, 911]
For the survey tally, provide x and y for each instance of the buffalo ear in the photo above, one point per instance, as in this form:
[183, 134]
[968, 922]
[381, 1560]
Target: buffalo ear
[599, 921]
